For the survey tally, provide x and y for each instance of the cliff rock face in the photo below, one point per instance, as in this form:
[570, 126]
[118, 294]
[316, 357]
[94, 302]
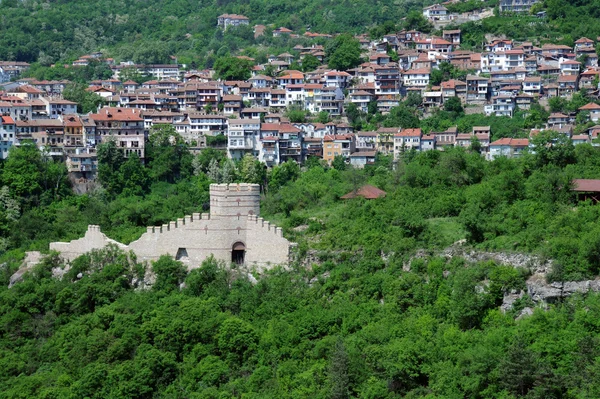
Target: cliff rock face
[538, 289]
[541, 291]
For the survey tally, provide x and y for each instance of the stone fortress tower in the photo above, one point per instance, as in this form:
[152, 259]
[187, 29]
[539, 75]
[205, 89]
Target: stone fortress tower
[232, 232]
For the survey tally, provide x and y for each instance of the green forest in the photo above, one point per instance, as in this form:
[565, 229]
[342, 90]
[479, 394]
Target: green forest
[152, 31]
[356, 314]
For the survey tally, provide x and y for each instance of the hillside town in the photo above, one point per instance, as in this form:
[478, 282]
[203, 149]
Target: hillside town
[250, 117]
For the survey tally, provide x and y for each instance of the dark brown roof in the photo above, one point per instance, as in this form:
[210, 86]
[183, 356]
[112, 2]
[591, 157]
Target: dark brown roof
[586, 185]
[368, 192]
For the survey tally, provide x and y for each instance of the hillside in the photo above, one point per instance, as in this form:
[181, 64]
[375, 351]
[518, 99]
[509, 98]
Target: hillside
[366, 319]
[152, 31]
[61, 29]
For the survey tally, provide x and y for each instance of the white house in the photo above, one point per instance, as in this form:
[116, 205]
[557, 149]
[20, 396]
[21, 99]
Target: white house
[508, 147]
[435, 12]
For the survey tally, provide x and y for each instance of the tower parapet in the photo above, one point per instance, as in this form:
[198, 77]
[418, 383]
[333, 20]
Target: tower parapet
[234, 200]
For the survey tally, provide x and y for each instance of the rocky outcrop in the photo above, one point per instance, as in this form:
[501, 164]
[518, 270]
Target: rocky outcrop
[31, 259]
[533, 263]
[538, 289]
[541, 291]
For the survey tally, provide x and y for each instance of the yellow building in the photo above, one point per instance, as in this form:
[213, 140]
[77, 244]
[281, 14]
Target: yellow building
[338, 144]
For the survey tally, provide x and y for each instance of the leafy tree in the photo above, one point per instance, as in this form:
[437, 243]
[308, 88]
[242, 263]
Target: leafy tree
[403, 117]
[554, 148]
[475, 145]
[518, 369]
[310, 63]
[338, 372]
[132, 73]
[229, 172]
[168, 156]
[454, 105]
[282, 174]
[416, 21]
[339, 163]
[557, 104]
[86, 101]
[213, 171]
[323, 117]
[372, 107]
[296, 114]
[34, 177]
[353, 113]
[110, 159]
[252, 170]
[237, 339]
[343, 53]
[233, 68]
[210, 278]
[380, 30]
[204, 159]
[169, 274]
[536, 117]
[135, 178]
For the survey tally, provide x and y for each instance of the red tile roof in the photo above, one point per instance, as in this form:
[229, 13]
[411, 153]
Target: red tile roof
[511, 142]
[586, 185]
[590, 106]
[409, 133]
[368, 192]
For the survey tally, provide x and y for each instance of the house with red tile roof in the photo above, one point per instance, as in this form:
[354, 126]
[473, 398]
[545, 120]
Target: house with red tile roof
[508, 147]
[407, 139]
[593, 109]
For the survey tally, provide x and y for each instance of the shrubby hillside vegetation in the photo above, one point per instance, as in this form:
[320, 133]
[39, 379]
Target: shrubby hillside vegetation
[365, 319]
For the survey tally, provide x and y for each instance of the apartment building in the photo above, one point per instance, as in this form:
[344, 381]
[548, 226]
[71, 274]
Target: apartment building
[123, 125]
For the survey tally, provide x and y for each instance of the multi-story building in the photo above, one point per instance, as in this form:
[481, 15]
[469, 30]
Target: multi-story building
[338, 145]
[478, 89]
[290, 143]
[406, 140]
[516, 6]
[74, 131]
[436, 12]
[8, 130]
[385, 139]
[82, 162]
[362, 99]
[57, 107]
[454, 88]
[453, 36]
[501, 106]
[123, 125]
[507, 147]
[243, 137]
[416, 78]
[228, 20]
[11, 69]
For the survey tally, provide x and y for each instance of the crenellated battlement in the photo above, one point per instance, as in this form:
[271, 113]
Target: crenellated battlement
[265, 225]
[235, 187]
[180, 222]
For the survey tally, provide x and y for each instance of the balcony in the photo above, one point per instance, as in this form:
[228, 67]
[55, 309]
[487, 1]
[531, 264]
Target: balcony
[240, 145]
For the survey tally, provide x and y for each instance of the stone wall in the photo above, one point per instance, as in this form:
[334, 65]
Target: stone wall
[265, 243]
[93, 239]
[233, 220]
